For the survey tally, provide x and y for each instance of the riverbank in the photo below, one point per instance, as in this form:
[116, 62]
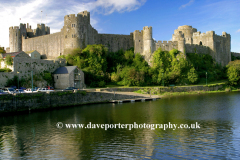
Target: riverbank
[50, 100]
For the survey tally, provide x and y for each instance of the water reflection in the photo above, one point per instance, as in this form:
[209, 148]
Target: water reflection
[35, 135]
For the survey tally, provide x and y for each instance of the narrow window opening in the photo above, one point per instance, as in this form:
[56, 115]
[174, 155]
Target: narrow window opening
[200, 43]
[57, 77]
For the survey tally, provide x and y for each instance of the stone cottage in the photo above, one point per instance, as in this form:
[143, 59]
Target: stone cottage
[68, 76]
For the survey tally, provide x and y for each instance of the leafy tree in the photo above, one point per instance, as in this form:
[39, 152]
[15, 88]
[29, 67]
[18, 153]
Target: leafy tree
[47, 76]
[2, 50]
[9, 60]
[233, 72]
[192, 75]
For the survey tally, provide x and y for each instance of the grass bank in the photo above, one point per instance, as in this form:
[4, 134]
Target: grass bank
[155, 91]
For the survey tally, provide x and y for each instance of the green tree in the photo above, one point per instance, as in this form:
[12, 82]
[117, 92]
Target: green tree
[233, 72]
[2, 50]
[47, 76]
[192, 75]
[9, 60]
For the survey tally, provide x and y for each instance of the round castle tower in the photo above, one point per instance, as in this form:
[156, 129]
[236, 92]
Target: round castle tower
[184, 32]
[147, 40]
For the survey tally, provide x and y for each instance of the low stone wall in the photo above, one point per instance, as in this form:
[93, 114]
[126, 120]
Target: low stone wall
[34, 101]
[166, 89]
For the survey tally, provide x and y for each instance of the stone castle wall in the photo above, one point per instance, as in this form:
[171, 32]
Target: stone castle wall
[222, 48]
[49, 46]
[167, 45]
[116, 42]
[194, 48]
[235, 54]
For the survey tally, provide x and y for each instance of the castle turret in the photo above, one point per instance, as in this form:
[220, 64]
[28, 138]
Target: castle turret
[147, 40]
[181, 45]
[14, 39]
[70, 32]
[41, 30]
[138, 41]
[187, 33]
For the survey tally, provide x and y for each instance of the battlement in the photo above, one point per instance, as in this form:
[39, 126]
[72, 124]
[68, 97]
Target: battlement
[84, 13]
[137, 31]
[208, 33]
[14, 27]
[187, 27]
[70, 16]
[166, 42]
[167, 45]
[147, 28]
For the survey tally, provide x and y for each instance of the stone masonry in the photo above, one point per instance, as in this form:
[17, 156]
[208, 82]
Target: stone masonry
[77, 32]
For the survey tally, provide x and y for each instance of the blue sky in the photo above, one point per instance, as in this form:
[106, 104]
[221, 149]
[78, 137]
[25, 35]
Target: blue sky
[125, 16]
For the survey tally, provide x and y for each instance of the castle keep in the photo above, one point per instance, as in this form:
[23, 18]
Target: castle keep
[78, 32]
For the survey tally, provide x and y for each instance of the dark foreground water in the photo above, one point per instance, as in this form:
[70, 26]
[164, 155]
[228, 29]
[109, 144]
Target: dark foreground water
[36, 136]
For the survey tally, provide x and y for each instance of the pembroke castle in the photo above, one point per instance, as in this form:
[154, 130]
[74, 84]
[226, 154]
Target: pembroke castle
[78, 32]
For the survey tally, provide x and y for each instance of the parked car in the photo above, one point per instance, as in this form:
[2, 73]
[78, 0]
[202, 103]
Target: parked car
[14, 87]
[9, 90]
[2, 92]
[29, 90]
[69, 89]
[22, 88]
[49, 87]
[20, 91]
[44, 90]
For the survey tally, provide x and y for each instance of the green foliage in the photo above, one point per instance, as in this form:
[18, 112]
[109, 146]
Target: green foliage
[233, 72]
[12, 82]
[92, 60]
[9, 60]
[233, 58]
[192, 76]
[47, 76]
[169, 67]
[130, 69]
[204, 63]
[101, 84]
[2, 50]
[5, 70]
[115, 77]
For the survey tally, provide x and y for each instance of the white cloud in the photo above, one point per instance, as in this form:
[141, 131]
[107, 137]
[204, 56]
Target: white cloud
[188, 4]
[54, 11]
[238, 30]
[110, 6]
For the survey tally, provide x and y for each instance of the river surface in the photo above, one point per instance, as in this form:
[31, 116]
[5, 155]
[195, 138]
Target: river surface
[214, 135]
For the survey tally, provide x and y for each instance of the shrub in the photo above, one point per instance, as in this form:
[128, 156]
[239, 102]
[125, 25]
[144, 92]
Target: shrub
[101, 84]
[9, 60]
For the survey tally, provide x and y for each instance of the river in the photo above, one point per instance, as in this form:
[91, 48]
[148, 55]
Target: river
[214, 135]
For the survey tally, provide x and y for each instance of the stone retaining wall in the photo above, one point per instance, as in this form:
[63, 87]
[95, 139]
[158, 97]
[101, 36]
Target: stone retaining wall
[34, 101]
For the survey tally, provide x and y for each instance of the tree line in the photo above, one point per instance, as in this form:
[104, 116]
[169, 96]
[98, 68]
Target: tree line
[167, 67]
